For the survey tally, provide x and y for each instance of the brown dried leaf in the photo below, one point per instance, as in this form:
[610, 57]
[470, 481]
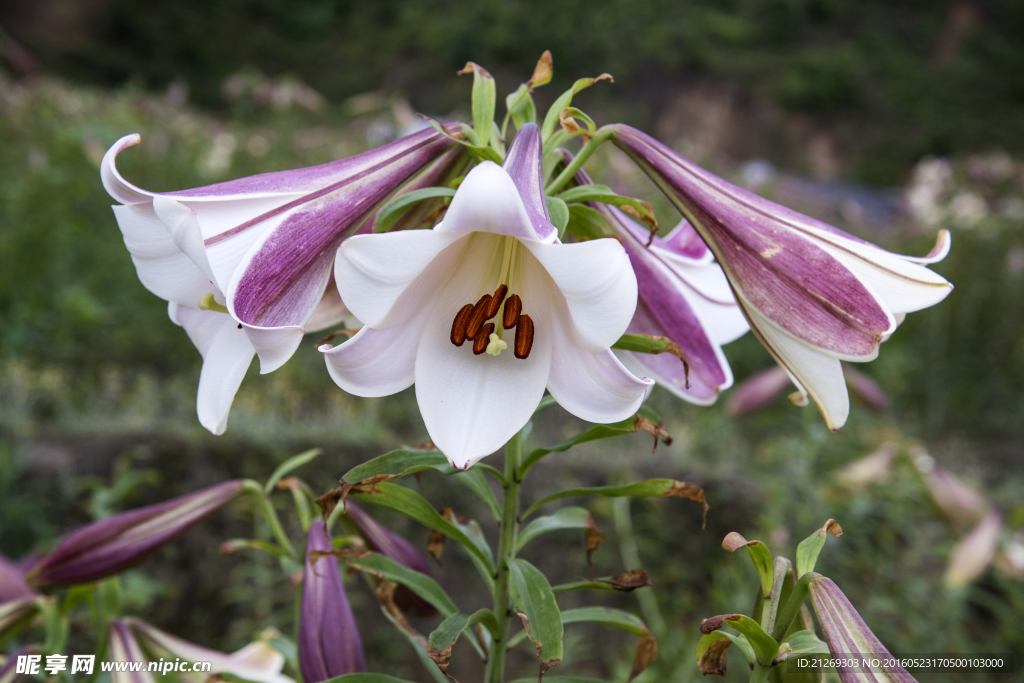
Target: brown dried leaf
[544, 666]
[628, 581]
[542, 72]
[646, 653]
[714, 660]
[684, 489]
[656, 430]
[569, 124]
[648, 218]
[328, 501]
[733, 541]
[593, 540]
[442, 658]
[435, 545]
[832, 527]
[715, 623]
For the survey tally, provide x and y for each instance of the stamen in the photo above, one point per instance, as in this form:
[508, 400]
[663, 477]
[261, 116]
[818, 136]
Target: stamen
[524, 337]
[499, 296]
[478, 317]
[482, 339]
[460, 323]
[513, 307]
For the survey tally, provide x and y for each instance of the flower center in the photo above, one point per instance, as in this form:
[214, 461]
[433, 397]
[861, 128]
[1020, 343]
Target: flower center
[471, 322]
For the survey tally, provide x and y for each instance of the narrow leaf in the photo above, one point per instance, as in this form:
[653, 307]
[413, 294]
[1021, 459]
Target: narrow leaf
[563, 101]
[763, 644]
[651, 488]
[586, 223]
[566, 518]
[602, 193]
[801, 643]
[483, 99]
[559, 214]
[288, 465]
[759, 555]
[531, 594]
[385, 568]
[451, 628]
[394, 210]
[809, 549]
[647, 647]
[623, 583]
[473, 479]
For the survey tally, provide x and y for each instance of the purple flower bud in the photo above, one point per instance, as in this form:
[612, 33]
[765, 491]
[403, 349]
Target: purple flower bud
[757, 391]
[329, 643]
[12, 581]
[382, 540]
[848, 636]
[111, 545]
[866, 390]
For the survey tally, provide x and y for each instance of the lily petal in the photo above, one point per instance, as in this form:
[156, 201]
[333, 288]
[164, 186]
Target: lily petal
[227, 354]
[123, 647]
[376, 362]
[523, 165]
[489, 201]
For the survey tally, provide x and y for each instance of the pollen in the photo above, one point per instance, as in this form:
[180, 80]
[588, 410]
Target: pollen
[496, 345]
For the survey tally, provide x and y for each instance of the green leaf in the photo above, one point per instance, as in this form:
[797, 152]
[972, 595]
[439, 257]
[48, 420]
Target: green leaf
[414, 506]
[366, 678]
[566, 518]
[419, 645]
[559, 679]
[559, 214]
[473, 479]
[623, 583]
[586, 223]
[483, 99]
[711, 657]
[404, 461]
[531, 594]
[598, 431]
[607, 616]
[521, 107]
[803, 643]
[288, 465]
[235, 544]
[763, 644]
[563, 101]
[472, 530]
[453, 626]
[604, 194]
[651, 488]
[643, 343]
[809, 549]
[419, 583]
[470, 141]
[393, 211]
[759, 555]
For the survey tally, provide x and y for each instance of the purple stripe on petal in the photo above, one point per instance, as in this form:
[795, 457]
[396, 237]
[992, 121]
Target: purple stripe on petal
[123, 647]
[684, 241]
[111, 545]
[285, 278]
[523, 164]
[789, 279]
[9, 669]
[329, 642]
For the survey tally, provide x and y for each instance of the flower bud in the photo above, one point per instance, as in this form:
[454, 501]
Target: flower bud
[329, 643]
[111, 545]
[12, 581]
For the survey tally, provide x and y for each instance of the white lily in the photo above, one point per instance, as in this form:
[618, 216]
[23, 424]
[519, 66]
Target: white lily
[415, 293]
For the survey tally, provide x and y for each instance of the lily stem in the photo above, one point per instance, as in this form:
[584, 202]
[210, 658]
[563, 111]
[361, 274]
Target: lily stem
[602, 135]
[267, 508]
[506, 552]
[760, 673]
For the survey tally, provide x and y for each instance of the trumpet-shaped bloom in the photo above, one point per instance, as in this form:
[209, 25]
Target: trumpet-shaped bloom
[258, 661]
[427, 299]
[111, 545]
[812, 294]
[246, 265]
[329, 643]
[683, 296]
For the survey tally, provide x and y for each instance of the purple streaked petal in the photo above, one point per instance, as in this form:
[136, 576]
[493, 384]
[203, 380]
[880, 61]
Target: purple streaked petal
[523, 164]
[122, 647]
[684, 241]
[111, 545]
[14, 612]
[12, 582]
[974, 552]
[9, 669]
[961, 504]
[330, 311]
[329, 642]
[778, 267]
[848, 636]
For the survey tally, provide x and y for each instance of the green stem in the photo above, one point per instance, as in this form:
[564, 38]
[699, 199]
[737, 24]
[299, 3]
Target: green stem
[506, 552]
[596, 140]
[760, 673]
[792, 609]
[270, 515]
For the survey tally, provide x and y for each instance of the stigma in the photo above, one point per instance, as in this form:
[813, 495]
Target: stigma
[471, 323]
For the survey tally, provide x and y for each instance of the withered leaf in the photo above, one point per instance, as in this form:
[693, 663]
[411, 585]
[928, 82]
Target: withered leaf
[593, 539]
[442, 658]
[733, 541]
[715, 623]
[646, 653]
[543, 71]
[435, 545]
[684, 489]
[628, 581]
[657, 430]
[715, 660]
[832, 527]
[328, 501]
[544, 666]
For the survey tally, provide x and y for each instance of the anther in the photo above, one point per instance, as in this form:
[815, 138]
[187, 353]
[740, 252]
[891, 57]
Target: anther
[524, 337]
[459, 324]
[478, 317]
[496, 299]
[513, 307]
[482, 339]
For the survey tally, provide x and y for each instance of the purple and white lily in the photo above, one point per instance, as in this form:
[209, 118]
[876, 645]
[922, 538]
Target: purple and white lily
[422, 294]
[814, 295]
[246, 265]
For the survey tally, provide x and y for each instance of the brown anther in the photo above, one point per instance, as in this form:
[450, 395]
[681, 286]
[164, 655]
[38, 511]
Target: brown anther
[496, 299]
[482, 339]
[478, 317]
[524, 337]
[459, 324]
[513, 307]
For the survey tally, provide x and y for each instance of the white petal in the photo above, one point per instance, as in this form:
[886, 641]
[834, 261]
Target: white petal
[472, 405]
[183, 226]
[330, 312]
[116, 186]
[707, 291]
[161, 266]
[274, 345]
[376, 362]
[489, 201]
[819, 374]
[226, 353]
[598, 285]
[386, 279]
[592, 386]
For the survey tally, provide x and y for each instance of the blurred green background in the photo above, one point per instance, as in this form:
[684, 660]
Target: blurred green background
[889, 119]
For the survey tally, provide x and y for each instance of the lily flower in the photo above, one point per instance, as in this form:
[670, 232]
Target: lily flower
[258, 661]
[329, 643]
[246, 265]
[685, 297]
[426, 297]
[814, 295]
[111, 545]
